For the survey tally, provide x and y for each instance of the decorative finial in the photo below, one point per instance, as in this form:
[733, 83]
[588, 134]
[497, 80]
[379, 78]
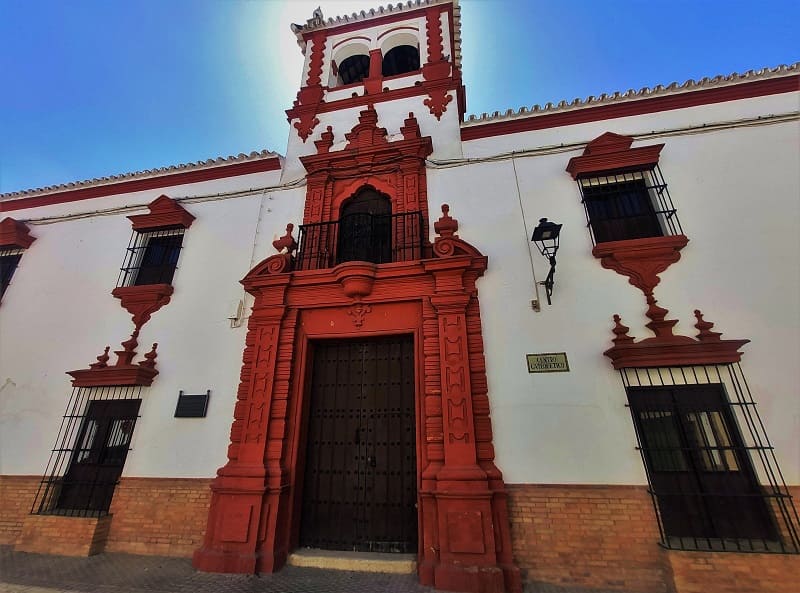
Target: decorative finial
[102, 360]
[286, 242]
[446, 226]
[125, 356]
[150, 358]
[325, 141]
[621, 332]
[410, 129]
[704, 327]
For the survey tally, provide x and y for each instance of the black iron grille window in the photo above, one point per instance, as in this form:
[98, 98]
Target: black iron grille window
[90, 451]
[632, 205]
[361, 236]
[713, 476]
[152, 258]
[9, 258]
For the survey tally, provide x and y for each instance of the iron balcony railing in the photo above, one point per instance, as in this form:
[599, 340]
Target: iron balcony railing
[628, 205]
[376, 238]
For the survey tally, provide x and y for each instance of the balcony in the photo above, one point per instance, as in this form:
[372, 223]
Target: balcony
[376, 238]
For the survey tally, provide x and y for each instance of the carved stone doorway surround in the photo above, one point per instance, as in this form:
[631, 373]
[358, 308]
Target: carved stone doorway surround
[253, 524]
[464, 528]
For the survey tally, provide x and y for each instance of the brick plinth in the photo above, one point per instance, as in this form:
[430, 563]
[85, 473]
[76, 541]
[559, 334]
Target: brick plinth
[709, 572]
[159, 516]
[603, 537]
[64, 536]
[16, 497]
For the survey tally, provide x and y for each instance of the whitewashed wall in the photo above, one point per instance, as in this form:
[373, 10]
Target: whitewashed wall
[738, 197]
[58, 314]
[737, 193]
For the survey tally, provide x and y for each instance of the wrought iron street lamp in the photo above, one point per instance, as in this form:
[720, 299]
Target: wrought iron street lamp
[545, 236]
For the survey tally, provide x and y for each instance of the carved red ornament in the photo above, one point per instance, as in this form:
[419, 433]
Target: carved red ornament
[164, 213]
[358, 312]
[123, 372]
[666, 349]
[356, 278]
[286, 243]
[366, 133]
[308, 120]
[142, 301]
[438, 98]
[14, 233]
[315, 63]
[396, 169]
[641, 260]
[325, 141]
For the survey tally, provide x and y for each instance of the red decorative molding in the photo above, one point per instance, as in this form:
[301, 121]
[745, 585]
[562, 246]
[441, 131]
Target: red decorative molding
[396, 169]
[666, 349]
[164, 213]
[450, 84]
[123, 372]
[142, 301]
[641, 260]
[136, 185]
[14, 233]
[611, 151]
[253, 523]
[308, 120]
[318, 39]
[710, 96]
[437, 101]
[433, 28]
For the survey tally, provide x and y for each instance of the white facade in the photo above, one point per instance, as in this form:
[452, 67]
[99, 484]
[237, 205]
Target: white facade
[731, 165]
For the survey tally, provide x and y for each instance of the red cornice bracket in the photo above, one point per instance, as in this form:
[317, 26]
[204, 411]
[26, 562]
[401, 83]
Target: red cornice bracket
[609, 152]
[14, 233]
[641, 260]
[142, 301]
[164, 213]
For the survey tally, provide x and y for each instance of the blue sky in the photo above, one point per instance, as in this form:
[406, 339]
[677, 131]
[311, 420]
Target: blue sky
[97, 87]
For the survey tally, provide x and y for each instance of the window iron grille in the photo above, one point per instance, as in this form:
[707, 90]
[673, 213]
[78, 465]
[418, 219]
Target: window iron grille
[151, 258]
[713, 476]
[9, 259]
[628, 205]
[361, 236]
[90, 450]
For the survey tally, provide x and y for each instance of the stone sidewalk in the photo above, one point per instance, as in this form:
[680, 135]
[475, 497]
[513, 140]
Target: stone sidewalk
[21, 572]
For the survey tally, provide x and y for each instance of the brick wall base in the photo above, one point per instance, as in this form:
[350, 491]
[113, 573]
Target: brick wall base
[65, 536]
[707, 572]
[159, 516]
[606, 537]
[16, 497]
[603, 537]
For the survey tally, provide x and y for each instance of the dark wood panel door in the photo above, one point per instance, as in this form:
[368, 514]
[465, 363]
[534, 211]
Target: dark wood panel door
[360, 489]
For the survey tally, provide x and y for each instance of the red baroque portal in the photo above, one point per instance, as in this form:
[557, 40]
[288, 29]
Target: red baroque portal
[464, 539]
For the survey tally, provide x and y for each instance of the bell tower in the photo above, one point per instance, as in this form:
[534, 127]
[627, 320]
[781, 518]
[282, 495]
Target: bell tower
[400, 59]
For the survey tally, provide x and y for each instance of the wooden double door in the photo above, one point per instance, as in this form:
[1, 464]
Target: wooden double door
[360, 478]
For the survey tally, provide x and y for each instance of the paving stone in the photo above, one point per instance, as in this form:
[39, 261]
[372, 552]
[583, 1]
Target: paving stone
[21, 572]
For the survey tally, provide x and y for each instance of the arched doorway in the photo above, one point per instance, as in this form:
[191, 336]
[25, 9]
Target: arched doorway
[365, 228]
